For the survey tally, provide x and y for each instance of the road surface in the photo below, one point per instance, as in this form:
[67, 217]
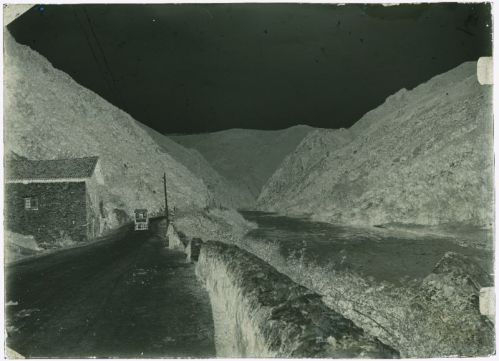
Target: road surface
[127, 296]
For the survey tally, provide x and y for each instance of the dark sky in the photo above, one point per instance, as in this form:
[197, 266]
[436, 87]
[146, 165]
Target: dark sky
[197, 68]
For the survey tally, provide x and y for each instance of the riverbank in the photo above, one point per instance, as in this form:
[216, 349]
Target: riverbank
[461, 234]
[391, 286]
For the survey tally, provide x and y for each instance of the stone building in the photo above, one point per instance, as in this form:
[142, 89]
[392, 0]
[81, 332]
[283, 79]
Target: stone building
[53, 199]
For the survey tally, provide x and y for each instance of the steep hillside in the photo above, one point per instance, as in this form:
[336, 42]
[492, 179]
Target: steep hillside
[48, 115]
[246, 157]
[226, 194]
[422, 157]
[306, 157]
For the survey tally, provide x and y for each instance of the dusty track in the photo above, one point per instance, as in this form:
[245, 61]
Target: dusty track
[126, 296]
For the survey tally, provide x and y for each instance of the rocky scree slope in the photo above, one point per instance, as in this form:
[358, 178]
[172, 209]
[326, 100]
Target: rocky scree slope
[423, 157]
[48, 115]
[245, 157]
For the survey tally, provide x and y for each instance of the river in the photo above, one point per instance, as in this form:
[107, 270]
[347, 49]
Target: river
[385, 255]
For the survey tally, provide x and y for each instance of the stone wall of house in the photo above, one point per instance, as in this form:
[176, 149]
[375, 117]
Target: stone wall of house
[93, 217]
[61, 213]
[94, 205]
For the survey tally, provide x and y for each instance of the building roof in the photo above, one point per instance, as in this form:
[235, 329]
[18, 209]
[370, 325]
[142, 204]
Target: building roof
[25, 169]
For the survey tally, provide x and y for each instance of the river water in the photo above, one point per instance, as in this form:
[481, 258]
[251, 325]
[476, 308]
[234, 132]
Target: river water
[385, 255]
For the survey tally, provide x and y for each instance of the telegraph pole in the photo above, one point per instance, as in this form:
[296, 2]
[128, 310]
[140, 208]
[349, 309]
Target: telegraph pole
[167, 215]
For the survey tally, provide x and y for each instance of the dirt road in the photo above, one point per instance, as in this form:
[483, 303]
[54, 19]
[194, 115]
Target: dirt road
[127, 296]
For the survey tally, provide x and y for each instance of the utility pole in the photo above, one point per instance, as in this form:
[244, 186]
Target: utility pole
[167, 215]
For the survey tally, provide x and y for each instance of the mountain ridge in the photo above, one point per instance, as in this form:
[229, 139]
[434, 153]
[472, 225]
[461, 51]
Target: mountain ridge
[423, 157]
[245, 157]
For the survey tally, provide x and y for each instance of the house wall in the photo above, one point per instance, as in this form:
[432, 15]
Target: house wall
[62, 209]
[93, 209]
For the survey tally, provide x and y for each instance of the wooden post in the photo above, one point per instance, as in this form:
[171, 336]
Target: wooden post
[167, 215]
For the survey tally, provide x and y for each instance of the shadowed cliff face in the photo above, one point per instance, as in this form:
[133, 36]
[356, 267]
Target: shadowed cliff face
[423, 157]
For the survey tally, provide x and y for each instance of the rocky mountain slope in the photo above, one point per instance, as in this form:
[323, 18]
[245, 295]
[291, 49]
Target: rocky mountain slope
[246, 157]
[48, 115]
[226, 194]
[422, 157]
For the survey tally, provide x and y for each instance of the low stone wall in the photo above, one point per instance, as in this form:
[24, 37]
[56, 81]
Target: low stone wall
[259, 312]
[174, 241]
[193, 248]
[167, 232]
